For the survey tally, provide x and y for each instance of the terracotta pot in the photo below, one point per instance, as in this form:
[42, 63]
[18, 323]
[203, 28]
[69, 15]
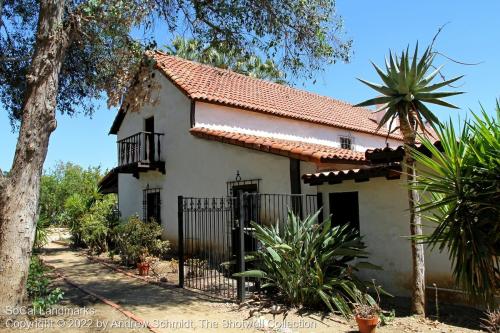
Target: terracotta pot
[143, 268]
[367, 325]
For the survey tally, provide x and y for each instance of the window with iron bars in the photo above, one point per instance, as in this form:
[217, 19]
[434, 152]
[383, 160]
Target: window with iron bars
[346, 142]
[151, 205]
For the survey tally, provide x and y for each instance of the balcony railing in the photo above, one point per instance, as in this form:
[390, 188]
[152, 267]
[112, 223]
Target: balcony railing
[142, 149]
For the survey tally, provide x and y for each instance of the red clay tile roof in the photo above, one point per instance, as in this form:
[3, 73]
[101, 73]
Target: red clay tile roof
[362, 174]
[206, 83]
[296, 149]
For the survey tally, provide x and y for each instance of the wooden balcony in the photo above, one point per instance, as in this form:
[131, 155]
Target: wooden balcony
[140, 152]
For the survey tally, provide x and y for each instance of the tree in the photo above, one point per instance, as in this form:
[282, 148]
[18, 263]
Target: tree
[460, 186]
[63, 54]
[61, 183]
[224, 56]
[407, 88]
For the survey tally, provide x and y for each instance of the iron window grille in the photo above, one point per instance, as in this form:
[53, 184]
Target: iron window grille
[151, 204]
[241, 183]
[346, 142]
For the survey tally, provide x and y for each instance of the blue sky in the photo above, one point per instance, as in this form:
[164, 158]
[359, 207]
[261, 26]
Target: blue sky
[472, 35]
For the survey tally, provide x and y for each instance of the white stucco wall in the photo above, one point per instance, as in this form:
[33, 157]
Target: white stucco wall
[233, 119]
[194, 166]
[201, 168]
[384, 225]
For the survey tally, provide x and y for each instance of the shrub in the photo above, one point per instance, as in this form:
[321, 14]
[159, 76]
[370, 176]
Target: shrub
[74, 209]
[60, 185]
[38, 287]
[136, 238]
[308, 263]
[460, 189]
[41, 234]
[95, 226]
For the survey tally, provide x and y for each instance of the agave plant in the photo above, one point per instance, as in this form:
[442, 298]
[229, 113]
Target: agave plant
[406, 90]
[460, 184]
[309, 264]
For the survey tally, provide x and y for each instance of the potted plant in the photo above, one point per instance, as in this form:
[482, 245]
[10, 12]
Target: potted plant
[367, 311]
[367, 317]
[144, 262]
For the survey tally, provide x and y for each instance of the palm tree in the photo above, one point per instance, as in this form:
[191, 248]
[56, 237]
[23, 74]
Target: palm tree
[407, 88]
[226, 57]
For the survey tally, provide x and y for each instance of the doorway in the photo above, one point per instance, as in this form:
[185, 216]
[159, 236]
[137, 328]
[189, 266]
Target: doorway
[250, 211]
[344, 209]
[149, 128]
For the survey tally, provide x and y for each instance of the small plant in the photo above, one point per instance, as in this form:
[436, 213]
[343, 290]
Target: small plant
[367, 307]
[41, 234]
[366, 310]
[38, 287]
[491, 323]
[136, 240]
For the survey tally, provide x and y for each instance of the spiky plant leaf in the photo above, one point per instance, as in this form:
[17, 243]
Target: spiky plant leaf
[307, 262]
[407, 85]
[460, 186]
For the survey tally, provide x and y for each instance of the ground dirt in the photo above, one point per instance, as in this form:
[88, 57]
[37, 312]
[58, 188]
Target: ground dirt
[179, 310]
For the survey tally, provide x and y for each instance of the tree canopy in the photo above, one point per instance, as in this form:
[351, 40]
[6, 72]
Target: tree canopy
[103, 55]
[224, 56]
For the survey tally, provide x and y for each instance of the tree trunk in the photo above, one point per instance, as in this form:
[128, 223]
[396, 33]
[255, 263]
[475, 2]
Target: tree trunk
[19, 193]
[417, 248]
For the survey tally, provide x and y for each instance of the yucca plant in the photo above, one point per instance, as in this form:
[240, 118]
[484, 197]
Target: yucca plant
[460, 186]
[407, 88]
[310, 263]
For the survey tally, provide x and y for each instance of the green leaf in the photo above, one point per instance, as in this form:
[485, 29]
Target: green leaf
[274, 254]
[376, 101]
[381, 89]
[251, 273]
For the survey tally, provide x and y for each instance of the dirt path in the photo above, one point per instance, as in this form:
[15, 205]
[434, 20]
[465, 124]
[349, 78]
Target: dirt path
[170, 309]
[173, 309]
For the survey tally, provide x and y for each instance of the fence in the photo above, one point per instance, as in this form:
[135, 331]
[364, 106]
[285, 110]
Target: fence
[215, 234]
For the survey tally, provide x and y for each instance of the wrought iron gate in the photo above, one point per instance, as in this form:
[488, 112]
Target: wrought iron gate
[215, 234]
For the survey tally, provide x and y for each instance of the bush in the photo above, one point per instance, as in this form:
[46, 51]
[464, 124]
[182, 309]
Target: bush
[135, 239]
[95, 226]
[308, 263]
[64, 183]
[460, 189]
[74, 209]
[41, 234]
[41, 296]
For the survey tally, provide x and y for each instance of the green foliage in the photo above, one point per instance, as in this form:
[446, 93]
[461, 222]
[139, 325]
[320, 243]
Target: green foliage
[38, 287]
[103, 54]
[224, 56]
[460, 187]
[69, 196]
[407, 88]
[66, 191]
[95, 226]
[41, 234]
[136, 239]
[309, 264]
